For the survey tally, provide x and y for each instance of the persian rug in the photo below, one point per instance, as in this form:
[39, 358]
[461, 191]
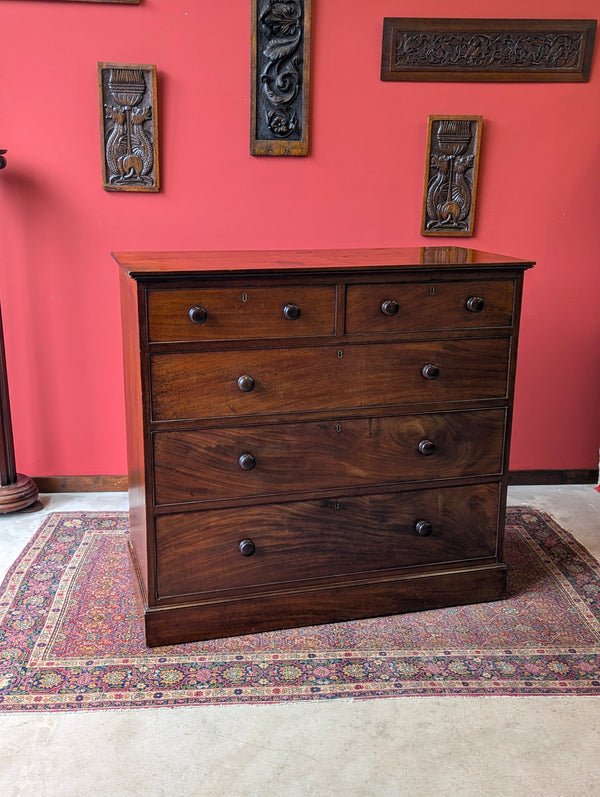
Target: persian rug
[71, 637]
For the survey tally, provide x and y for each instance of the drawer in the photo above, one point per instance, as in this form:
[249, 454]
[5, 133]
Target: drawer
[401, 306]
[241, 313]
[265, 460]
[207, 384]
[199, 552]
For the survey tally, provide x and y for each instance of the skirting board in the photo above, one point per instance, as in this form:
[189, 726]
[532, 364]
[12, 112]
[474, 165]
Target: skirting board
[101, 484]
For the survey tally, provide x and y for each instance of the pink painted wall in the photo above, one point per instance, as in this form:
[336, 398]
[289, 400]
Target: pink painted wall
[361, 186]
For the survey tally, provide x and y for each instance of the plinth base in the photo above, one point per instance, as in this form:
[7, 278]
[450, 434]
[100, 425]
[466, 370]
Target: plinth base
[19, 495]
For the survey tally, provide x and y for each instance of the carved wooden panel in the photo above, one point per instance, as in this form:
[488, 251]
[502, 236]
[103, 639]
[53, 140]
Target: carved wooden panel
[451, 171]
[531, 50]
[129, 127]
[280, 77]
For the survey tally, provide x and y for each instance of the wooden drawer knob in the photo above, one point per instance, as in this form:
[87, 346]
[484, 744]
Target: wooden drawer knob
[246, 383]
[423, 528]
[197, 314]
[475, 304]
[247, 462]
[390, 307]
[247, 547]
[430, 371]
[426, 447]
[291, 312]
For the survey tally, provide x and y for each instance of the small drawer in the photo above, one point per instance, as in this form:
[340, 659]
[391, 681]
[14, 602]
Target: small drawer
[229, 550]
[210, 314]
[253, 461]
[402, 306]
[219, 384]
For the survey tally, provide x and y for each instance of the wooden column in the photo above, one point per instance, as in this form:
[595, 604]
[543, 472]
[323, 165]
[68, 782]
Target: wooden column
[16, 490]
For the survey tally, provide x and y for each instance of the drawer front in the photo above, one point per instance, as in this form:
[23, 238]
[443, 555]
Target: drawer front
[207, 384]
[232, 313]
[396, 307]
[218, 464]
[201, 552]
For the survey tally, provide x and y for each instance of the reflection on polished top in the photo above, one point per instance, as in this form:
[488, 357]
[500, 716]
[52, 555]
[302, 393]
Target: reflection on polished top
[147, 264]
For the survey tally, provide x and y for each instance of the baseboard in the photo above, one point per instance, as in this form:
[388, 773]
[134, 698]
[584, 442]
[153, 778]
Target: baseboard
[103, 484]
[81, 484]
[573, 476]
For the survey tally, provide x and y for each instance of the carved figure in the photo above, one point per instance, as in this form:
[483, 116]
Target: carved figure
[129, 148]
[281, 77]
[450, 181]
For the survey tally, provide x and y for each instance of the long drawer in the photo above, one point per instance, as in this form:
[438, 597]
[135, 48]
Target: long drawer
[264, 381]
[232, 549]
[399, 306]
[263, 460]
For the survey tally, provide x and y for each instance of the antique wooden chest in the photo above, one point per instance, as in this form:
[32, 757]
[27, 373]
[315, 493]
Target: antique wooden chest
[316, 436]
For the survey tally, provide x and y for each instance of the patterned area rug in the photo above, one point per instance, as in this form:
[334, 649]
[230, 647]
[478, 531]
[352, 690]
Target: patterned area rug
[70, 637]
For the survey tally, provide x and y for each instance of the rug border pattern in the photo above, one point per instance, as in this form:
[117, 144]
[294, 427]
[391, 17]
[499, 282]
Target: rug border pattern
[32, 681]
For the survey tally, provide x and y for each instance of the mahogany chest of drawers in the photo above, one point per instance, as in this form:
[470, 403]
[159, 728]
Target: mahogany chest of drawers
[316, 436]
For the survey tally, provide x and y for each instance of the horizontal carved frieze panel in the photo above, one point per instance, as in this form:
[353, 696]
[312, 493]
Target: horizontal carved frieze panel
[527, 50]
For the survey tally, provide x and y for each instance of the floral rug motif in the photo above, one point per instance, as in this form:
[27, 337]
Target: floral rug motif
[71, 637]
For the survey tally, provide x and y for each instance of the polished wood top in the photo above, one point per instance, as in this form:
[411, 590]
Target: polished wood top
[160, 264]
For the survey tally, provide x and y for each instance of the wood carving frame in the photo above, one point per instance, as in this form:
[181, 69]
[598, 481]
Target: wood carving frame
[128, 127]
[451, 174]
[131, 2]
[280, 77]
[526, 50]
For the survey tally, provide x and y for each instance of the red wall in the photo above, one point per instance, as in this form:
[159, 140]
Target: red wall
[361, 186]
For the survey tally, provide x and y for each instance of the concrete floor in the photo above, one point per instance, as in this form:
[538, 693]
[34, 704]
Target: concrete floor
[407, 746]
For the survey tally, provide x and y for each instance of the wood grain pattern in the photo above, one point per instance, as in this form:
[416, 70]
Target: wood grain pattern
[307, 541]
[203, 465]
[245, 312]
[204, 384]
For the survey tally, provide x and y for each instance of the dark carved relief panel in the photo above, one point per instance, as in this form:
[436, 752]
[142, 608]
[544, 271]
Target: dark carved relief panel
[280, 77]
[487, 49]
[451, 171]
[128, 127]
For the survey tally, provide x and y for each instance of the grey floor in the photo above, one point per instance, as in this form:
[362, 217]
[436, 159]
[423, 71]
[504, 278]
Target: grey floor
[408, 746]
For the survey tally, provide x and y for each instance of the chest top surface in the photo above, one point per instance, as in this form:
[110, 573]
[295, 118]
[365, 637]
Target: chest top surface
[164, 264]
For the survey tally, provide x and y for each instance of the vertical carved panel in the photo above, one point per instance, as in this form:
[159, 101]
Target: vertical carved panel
[280, 77]
[451, 171]
[128, 127]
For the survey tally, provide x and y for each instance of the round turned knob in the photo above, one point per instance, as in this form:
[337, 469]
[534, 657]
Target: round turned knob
[423, 528]
[197, 314]
[291, 312]
[475, 304]
[390, 307]
[430, 371]
[247, 547]
[247, 462]
[426, 447]
[245, 383]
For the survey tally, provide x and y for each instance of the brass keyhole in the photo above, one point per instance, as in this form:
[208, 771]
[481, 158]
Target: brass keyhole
[244, 297]
[340, 354]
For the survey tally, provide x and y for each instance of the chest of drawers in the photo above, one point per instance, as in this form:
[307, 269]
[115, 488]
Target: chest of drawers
[316, 436]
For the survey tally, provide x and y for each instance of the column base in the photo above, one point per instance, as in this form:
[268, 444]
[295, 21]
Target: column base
[19, 495]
